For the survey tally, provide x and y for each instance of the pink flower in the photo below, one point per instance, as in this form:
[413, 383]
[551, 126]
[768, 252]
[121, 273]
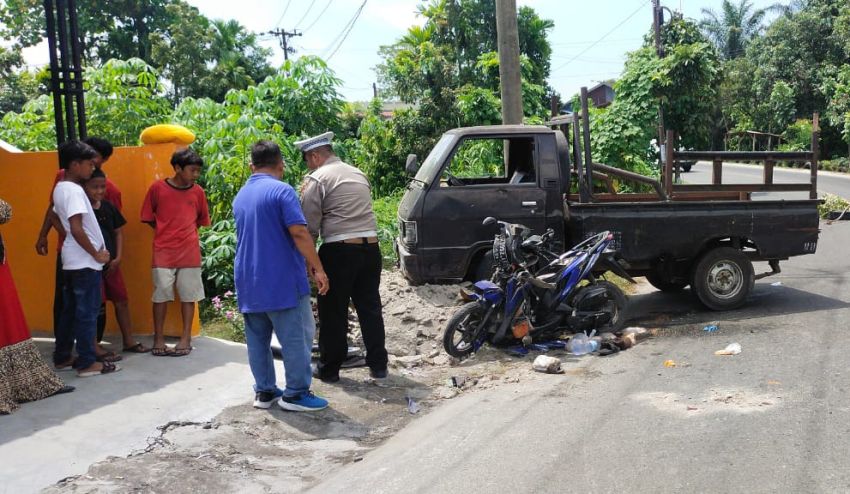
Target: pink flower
[230, 315]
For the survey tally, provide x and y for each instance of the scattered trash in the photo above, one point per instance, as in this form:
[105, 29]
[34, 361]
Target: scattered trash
[778, 283]
[774, 383]
[547, 365]
[538, 347]
[710, 328]
[581, 344]
[456, 381]
[669, 363]
[692, 408]
[412, 406]
[357, 458]
[517, 351]
[636, 333]
[731, 349]
[554, 344]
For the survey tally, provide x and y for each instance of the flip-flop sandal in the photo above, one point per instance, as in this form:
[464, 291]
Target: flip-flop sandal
[108, 368]
[109, 357]
[137, 348]
[180, 352]
[161, 352]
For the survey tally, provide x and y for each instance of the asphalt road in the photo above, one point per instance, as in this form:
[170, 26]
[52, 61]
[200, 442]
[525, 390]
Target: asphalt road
[833, 183]
[775, 418]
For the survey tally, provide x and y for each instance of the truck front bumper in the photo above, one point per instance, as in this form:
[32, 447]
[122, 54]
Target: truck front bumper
[408, 262]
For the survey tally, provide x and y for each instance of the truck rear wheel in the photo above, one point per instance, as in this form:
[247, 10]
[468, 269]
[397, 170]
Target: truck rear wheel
[723, 278]
[664, 284]
[485, 267]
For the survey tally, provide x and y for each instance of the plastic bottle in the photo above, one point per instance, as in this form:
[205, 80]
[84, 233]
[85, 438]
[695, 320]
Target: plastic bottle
[581, 344]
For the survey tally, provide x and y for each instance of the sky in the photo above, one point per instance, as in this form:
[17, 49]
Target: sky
[589, 42]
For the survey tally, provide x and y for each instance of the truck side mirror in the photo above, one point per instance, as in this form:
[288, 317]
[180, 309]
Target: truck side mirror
[489, 221]
[411, 165]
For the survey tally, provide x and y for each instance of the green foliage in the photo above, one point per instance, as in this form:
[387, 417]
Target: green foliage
[122, 98]
[733, 28]
[682, 83]
[798, 136]
[218, 244]
[479, 158]
[386, 214]
[832, 202]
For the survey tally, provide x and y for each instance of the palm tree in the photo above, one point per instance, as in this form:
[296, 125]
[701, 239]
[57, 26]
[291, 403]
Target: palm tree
[734, 27]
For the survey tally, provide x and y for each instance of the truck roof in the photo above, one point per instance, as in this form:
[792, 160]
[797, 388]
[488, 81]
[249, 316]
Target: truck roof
[500, 129]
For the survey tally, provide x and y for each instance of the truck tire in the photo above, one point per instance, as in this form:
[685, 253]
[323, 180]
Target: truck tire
[485, 267]
[723, 278]
[665, 285]
[686, 167]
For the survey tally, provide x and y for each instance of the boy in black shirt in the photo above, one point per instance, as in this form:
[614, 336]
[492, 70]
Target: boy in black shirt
[110, 221]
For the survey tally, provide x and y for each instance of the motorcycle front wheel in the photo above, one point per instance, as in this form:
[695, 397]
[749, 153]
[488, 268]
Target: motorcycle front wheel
[459, 338]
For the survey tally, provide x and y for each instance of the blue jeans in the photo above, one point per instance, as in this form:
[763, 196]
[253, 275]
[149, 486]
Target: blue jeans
[294, 329]
[81, 299]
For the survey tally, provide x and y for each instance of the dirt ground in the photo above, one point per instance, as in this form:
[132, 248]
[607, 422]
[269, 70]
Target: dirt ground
[247, 450]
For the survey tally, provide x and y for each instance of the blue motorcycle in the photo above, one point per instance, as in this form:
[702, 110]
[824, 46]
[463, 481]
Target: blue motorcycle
[536, 295]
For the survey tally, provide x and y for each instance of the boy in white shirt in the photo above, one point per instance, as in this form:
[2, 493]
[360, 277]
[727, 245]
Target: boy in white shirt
[83, 256]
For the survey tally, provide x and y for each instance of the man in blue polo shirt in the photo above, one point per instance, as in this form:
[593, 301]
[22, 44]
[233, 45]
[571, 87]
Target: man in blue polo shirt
[272, 246]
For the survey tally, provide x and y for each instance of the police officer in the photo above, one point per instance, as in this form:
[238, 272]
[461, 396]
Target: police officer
[337, 203]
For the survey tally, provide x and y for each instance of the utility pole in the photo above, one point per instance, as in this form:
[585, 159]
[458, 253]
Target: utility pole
[509, 68]
[284, 36]
[657, 21]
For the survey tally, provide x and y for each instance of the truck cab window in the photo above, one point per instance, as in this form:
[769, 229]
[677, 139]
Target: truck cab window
[484, 161]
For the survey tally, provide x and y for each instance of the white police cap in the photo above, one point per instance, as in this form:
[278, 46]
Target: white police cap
[314, 142]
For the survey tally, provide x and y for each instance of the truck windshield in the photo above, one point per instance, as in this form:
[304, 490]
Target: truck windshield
[430, 168]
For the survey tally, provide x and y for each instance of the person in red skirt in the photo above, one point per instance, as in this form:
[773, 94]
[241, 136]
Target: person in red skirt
[24, 376]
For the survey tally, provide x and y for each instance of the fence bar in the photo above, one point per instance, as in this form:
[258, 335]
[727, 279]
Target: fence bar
[768, 172]
[813, 192]
[717, 172]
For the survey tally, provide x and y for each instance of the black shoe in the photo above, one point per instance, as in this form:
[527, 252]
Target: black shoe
[378, 374]
[325, 378]
[264, 399]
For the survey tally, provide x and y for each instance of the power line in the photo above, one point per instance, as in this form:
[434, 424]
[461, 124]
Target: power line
[277, 24]
[305, 14]
[345, 33]
[318, 16]
[642, 5]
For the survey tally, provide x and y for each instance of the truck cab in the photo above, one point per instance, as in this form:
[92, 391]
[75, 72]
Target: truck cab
[516, 173]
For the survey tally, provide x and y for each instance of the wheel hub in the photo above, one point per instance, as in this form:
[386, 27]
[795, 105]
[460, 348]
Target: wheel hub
[725, 279]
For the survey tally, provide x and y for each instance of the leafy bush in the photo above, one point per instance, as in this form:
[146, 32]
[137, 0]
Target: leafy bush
[836, 165]
[386, 213]
[832, 202]
[798, 136]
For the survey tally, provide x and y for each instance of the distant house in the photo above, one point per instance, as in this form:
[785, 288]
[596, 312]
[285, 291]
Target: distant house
[601, 95]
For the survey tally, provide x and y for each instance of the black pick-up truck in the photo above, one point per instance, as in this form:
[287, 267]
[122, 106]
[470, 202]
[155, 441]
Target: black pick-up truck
[702, 236]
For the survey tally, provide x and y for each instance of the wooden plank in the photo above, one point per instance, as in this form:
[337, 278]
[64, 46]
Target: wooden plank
[768, 172]
[717, 172]
[669, 142]
[743, 188]
[813, 191]
[797, 156]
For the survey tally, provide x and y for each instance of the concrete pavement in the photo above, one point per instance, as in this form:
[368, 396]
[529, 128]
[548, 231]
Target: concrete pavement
[51, 439]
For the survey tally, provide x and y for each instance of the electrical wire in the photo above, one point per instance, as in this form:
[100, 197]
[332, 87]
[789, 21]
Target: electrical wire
[305, 14]
[345, 33]
[277, 24]
[602, 38]
[318, 17]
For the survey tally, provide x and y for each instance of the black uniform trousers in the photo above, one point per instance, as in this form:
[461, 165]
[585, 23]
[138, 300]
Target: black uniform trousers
[354, 273]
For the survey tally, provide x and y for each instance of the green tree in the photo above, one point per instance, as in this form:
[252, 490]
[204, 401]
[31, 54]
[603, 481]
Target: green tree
[733, 28]
[183, 52]
[239, 61]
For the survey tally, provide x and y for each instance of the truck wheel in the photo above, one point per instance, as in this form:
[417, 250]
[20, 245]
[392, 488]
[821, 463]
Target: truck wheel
[662, 283]
[485, 267]
[723, 278]
[687, 167]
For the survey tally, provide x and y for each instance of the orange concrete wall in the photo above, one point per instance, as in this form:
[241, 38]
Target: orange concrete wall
[26, 180]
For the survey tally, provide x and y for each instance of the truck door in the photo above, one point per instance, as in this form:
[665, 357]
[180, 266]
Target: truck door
[483, 176]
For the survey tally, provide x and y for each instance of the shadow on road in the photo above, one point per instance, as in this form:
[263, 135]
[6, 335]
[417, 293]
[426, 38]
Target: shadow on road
[667, 309]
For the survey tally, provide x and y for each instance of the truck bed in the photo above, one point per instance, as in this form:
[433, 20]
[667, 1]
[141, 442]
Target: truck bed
[647, 231]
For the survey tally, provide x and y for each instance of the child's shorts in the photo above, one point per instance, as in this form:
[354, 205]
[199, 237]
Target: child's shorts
[188, 282]
[114, 289]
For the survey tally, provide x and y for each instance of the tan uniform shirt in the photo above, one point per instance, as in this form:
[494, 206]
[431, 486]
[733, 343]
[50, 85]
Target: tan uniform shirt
[337, 202]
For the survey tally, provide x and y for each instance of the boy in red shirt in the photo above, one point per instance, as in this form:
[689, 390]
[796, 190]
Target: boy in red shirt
[175, 208]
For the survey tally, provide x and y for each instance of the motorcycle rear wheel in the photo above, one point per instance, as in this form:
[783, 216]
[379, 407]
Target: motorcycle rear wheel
[459, 337]
[617, 305]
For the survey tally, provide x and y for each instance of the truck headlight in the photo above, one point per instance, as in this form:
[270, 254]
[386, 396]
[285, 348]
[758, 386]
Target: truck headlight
[409, 232]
